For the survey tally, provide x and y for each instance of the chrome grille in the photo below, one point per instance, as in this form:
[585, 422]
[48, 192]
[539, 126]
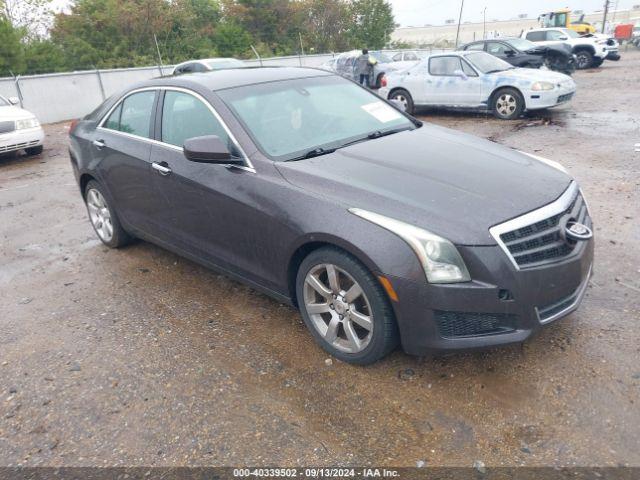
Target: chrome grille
[535, 239]
[8, 126]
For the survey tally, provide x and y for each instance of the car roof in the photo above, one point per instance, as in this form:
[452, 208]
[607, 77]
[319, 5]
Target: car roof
[235, 77]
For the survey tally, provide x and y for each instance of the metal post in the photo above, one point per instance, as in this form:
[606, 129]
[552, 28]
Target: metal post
[459, 22]
[16, 81]
[301, 48]
[257, 54]
[104, 96]
[159, 57]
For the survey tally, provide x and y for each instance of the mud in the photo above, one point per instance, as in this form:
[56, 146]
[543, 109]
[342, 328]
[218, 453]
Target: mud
[138, 357]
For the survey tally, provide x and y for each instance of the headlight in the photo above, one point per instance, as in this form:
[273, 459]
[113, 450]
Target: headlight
[551, 163]
[27, 123]
[440, 259]
[541, 86]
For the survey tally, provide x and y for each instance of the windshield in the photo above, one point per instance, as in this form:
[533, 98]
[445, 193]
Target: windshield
[487, 63]
[380, 57]
[521, 44]
[4, 102]
[571, 33]
[290, 119]
[226, 63]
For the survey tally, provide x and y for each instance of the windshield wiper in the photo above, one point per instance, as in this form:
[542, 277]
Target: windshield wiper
[384, 133]
[316, 152]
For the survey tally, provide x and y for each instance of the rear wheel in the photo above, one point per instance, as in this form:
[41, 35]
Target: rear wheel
[584, 59]
[507, 104]
[103, 217]
[344, 307]
[405, 99]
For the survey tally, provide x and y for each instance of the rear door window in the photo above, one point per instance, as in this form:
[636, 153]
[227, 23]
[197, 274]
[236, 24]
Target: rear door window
[444, 66]
[133, 114]
[536, 36]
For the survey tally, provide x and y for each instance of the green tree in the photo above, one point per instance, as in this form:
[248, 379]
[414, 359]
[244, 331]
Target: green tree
[11, 48]
[232, 40]
[325, 24]
[373, 23]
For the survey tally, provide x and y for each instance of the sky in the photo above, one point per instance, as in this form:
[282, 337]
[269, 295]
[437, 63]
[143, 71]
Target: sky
[417, 13]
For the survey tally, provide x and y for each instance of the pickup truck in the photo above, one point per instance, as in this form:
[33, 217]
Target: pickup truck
[590, 50]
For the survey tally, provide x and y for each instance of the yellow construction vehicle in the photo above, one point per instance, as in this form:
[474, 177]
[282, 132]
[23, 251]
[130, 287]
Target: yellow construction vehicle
[562, 18]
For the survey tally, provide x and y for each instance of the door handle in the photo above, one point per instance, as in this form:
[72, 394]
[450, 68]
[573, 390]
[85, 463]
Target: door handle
[162, 169]
[99, 144]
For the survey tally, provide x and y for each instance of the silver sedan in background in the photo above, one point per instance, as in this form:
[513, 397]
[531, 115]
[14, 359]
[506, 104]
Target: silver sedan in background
[477, 80]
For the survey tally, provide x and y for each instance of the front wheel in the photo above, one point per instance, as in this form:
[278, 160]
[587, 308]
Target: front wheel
[344, 307]
[405, 99]
[34, 150]
[507, 104]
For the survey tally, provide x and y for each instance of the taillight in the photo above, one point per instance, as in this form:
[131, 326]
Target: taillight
[383, 81]
[73, 126]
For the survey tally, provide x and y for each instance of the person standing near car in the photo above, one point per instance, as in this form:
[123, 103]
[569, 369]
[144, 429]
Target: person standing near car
[362, 68]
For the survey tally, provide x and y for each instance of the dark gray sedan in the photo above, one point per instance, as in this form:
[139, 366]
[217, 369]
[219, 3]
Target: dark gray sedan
[302, 184]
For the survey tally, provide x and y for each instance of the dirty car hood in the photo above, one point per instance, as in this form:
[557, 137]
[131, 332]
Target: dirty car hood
[453, 184]
[13, 113]
[533, 75]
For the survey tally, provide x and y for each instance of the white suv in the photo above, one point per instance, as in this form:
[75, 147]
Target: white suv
[590, 51]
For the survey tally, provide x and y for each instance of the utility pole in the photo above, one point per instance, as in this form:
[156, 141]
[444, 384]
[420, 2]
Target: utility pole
[484, 23]
[459, 22]
[606, 10]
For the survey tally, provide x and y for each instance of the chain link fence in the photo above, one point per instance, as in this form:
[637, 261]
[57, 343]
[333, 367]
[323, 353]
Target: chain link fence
[56, 97]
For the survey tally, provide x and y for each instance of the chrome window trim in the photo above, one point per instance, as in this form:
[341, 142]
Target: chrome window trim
[248, 165]
[574, 305]
[559, 205]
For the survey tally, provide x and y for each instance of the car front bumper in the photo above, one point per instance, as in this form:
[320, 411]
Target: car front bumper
[551, 98]
[500, 306]
[21, 139]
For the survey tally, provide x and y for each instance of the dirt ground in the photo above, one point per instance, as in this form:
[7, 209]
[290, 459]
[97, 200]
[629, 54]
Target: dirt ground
[139, 357]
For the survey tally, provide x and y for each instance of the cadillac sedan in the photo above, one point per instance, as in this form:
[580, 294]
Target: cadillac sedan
[477, 80]
[306, 186]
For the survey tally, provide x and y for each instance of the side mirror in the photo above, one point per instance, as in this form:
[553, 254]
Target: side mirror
[208, 149]
[563, 38]
[14, 100]
[461, 74]
[509, 53]
[398, 104]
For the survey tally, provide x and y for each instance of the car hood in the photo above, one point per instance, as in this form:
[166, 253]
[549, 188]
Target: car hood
[452, 184]
[13, 113]
[532, 75]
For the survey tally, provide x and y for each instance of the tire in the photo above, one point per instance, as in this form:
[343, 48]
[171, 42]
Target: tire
[507, 104]
[405, 97]
[34, 150]
[335, 308]
[584, 59]
[102, 215]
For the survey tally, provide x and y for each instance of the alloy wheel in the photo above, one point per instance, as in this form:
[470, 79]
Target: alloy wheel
[583, 60]
[402, 99]
[506, 105]
[99, 214]
[338, 308]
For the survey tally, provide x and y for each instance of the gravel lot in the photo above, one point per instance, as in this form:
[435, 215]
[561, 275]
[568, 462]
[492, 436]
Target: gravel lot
[139, 357]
